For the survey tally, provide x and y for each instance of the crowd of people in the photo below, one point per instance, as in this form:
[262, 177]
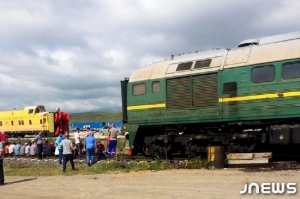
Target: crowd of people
[29, 149]
[86, 145]
[92, 148]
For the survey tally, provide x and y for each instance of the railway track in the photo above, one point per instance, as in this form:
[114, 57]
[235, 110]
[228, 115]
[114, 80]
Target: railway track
[178, 163]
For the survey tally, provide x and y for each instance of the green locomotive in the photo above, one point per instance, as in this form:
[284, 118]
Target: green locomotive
[245, 99]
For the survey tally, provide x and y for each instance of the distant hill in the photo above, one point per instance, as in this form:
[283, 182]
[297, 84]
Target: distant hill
[108, 109]
[95, 116]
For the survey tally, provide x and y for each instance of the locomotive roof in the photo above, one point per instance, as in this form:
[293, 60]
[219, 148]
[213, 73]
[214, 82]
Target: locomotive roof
[32, 107]
[268, 49]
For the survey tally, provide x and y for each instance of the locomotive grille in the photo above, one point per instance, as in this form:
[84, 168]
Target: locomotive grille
[203, 93]
[205, 90]
[50, 118]
[178, 93]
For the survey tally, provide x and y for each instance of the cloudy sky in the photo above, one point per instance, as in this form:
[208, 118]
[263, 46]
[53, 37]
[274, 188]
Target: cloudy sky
[72, 54]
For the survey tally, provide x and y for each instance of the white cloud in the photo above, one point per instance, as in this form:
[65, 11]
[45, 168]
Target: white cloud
[73, 54]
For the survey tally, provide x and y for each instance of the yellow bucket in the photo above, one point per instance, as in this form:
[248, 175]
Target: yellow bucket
[215, 157]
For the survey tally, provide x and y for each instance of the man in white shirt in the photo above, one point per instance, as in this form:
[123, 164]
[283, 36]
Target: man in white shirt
[78, 142]
[11, 149]
[27, 150]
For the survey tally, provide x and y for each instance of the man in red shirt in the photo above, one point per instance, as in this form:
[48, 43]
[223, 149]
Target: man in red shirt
[3, 138]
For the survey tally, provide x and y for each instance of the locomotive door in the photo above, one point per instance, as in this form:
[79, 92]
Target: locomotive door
[45, 127]
[229, 107]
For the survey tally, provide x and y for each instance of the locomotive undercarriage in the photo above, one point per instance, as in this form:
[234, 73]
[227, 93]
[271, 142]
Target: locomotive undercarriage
[193, 140]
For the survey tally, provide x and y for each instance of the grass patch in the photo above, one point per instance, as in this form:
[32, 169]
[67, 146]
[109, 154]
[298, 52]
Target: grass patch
[197, 163]
[137, 166]
[41, 168]
[30, 169]
[158, 164]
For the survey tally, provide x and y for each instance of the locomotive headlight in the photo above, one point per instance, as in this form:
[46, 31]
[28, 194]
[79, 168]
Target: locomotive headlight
[281, 137]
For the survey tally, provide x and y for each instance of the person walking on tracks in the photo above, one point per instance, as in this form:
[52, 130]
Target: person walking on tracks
[39, 142]
[89, 147]
[67, 149]
[1, 163]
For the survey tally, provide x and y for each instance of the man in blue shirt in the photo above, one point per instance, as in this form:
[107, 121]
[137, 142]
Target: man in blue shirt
[39, 143]
[17, 149]
[89, 146]
[58, 142]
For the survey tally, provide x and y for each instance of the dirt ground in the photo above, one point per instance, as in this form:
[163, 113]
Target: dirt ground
[182, 183]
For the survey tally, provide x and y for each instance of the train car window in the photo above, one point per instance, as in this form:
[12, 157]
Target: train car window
[184, 66]
[202, 64]
[37, 110]
[22, 122]
[262, 74]
[12, 122]
[43, 109]
[230, 89]
[291, 70]
[19, 122]
[0, 123]
[30, 123]
[139, 88]
[41, 122]
[156, 87]
[30, 111]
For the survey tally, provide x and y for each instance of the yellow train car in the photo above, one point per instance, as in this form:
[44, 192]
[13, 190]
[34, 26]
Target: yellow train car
[33, 119]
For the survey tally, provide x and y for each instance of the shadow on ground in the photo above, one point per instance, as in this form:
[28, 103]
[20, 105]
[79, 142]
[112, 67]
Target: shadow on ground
[19, 181]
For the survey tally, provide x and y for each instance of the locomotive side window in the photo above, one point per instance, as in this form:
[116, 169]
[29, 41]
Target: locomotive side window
[12, 122]
[291, 70]
[263, 74]
[184, 66]
[230, 89]
[139, 88]
[30, 111]
[21, 122]
[202, 64]
[30, 123]
[0, 123]
[41, 122]
[156, 87]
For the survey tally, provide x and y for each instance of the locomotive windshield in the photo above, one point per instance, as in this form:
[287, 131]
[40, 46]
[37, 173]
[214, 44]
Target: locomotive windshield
[40, 109]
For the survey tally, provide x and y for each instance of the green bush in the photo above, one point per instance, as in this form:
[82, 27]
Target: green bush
[157, 164]
[197, 163]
